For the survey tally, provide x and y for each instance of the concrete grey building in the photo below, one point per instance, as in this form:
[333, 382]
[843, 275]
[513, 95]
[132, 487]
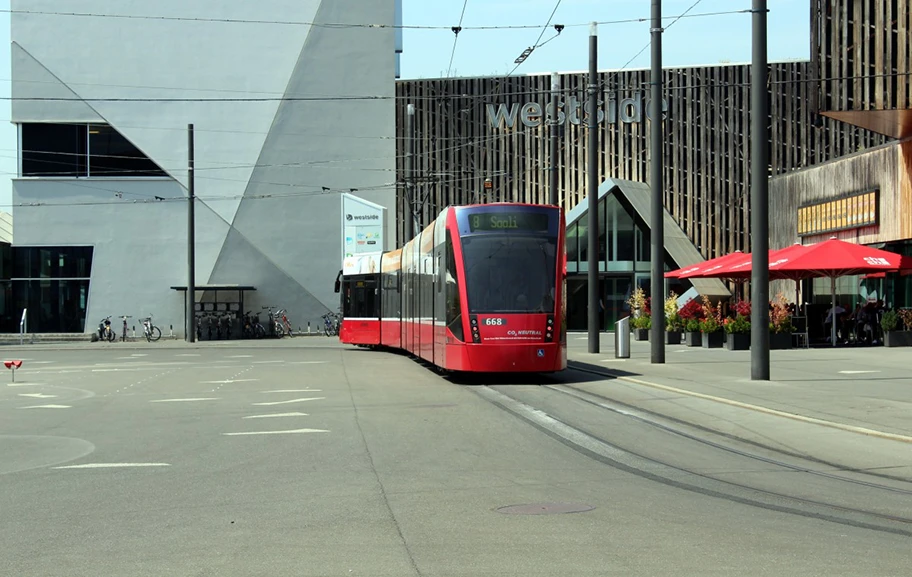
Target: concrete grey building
[292, 104]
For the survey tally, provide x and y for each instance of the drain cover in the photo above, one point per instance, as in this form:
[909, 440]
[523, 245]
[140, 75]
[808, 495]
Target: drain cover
[545, 509]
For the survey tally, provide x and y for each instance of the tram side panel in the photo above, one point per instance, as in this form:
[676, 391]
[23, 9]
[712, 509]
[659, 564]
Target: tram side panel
[390, 299]
[440, 289]
[426, 294]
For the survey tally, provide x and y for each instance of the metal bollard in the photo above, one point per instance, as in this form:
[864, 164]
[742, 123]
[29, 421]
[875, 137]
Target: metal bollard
[622, 338]
[308, 327]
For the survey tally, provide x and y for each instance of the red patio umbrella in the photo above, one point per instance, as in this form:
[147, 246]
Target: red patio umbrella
[705, 265]
[740, 269]
[834, 258]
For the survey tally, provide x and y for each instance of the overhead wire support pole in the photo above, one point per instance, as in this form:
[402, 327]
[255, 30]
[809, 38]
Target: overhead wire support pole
[592, 190]
[759, 202]
[191, 238]
[657, 185]
[555, 127]
[409, 215]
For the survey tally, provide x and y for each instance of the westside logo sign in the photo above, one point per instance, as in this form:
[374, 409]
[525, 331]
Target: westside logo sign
[572, 111]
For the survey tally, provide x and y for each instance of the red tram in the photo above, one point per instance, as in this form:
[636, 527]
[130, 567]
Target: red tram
[481, 289]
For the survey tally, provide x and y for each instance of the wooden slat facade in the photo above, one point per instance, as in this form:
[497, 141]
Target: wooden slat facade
[858, 64]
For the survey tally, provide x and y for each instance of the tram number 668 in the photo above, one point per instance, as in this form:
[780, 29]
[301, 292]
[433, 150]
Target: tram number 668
[495, 322]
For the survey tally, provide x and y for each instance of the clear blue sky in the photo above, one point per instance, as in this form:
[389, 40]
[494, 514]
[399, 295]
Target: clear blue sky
[690, 41]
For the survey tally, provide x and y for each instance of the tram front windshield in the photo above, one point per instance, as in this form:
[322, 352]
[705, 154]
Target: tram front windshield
[510, 273]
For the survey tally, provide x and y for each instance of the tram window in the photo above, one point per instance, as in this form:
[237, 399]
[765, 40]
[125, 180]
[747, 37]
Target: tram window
[510, 273]
[361, 299]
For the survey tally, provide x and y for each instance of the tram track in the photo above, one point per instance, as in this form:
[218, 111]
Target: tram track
[586, 441]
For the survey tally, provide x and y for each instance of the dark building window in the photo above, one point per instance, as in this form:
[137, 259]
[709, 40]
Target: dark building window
[80, 150]
[53, 284]
[111, 154]
[39, 262]
[54, 306]
[54, 150]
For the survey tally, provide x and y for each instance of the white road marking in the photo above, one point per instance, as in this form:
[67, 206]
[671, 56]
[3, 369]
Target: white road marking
[189, 355]
[239, 356]
[225, 382]
[276, 415]
[24, 384]
[289, 402]
[139, 355]
[38, 395]
[121, 370]
[295, 391]
[292, 432]
[266, 362]
[47, 407]
[113, 465]
[184, 400]
[856, 372]
[614, 360]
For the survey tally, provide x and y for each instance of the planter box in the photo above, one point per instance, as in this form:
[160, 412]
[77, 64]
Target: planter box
[713, 340]
[898, 338]
[673, 337]
[780, 341]
[641, 334]
[738, 341]
[693, 339]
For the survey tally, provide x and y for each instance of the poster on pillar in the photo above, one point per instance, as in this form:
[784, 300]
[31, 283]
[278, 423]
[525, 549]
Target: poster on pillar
[363, 232]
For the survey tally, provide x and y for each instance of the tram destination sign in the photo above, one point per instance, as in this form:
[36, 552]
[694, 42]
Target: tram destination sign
[573, 111]
[502, 221]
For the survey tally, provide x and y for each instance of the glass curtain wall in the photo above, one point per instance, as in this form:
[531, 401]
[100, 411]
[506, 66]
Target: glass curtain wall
[53, 284]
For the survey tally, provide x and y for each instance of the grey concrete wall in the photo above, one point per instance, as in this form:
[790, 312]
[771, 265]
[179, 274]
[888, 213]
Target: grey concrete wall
[283, 127]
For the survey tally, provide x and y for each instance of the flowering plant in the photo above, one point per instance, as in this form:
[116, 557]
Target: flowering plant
[673, 320]
[637, 301]
[742, 308]
[712, 319]
[639, 305]
[738, 325]
[690, 315]
[780, 318]
[906, 316]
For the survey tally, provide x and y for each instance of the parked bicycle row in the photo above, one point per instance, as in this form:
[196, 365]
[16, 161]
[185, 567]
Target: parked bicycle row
[106, 332]
[225, 325]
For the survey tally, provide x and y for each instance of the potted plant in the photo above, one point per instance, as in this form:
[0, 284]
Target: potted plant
[673, 323]
[780, 327]
[641, 326]
[711, 326]
[641, 321]
[897, 328]
[691, 314]
[738, 330]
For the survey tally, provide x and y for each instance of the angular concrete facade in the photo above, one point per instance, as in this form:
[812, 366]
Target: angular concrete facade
[290, 107]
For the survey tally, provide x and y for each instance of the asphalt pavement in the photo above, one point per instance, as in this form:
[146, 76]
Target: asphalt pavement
[310, 458]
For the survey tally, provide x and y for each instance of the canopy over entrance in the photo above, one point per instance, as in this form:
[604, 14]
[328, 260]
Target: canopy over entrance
[624, 222]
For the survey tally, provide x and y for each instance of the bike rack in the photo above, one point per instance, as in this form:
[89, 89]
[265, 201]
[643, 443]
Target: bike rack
[23, 325]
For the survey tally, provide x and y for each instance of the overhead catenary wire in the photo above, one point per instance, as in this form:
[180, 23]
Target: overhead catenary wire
[536, 45]
[334, 25]
[456, 30]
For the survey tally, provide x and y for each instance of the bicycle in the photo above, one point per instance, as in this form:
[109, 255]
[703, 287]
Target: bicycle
[284, 323]
[330, 324]
[124, 334]
[152, 332]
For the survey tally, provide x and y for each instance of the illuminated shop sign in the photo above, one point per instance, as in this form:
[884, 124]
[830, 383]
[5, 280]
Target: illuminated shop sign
[845, 213]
